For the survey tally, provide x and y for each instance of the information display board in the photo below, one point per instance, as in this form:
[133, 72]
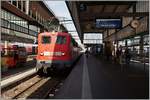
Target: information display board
[109, 23]
[92, 38]
[92, 41]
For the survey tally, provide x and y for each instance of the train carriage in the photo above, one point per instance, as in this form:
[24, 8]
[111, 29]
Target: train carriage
[13, 56]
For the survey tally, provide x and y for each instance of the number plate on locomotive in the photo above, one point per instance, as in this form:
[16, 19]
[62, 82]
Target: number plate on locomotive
[48, 53]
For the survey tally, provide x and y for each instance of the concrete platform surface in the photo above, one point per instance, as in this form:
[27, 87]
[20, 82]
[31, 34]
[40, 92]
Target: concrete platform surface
[94, 78]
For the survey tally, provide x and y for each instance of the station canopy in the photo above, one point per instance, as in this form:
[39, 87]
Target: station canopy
[92, 12]
[105, 17]
[98, 16]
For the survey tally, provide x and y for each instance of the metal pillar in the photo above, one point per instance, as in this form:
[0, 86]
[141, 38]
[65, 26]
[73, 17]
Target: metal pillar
[116, 39]
[17, 3]
[36, 15]
[126, 43]
[6, 46]
[21, 5]
[28, 28]
[141, 45]
[142, 53]
[107, 33]
[134, 10]
[27, 7]
[31, 13]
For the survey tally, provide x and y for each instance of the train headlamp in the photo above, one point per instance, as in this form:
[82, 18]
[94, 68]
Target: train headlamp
[41, 54]
[63, 53]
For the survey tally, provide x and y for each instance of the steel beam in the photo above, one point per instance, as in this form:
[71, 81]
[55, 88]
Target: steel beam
[90, 17]
[95, 3]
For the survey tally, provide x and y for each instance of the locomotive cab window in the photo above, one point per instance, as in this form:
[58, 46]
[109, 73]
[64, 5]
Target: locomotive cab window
[61, 40]
[46, 39]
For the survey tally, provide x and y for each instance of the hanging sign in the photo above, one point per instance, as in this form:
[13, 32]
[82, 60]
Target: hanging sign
[109, 23]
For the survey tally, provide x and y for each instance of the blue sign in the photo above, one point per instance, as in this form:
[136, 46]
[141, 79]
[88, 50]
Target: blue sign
[108, 23]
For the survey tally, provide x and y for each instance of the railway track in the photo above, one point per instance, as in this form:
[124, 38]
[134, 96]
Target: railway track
[31, 88]
[34, 87]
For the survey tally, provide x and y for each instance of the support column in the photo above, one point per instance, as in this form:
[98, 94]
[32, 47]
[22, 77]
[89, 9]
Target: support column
[31, 13]
[21, 5]
[148, 24]
[126, 43]
[36, 15]
[141, 46]
[107, 33]
[134, 10]
[17, 3]
[27, 7]
[116, 39]
[28, 28]
[6, 46]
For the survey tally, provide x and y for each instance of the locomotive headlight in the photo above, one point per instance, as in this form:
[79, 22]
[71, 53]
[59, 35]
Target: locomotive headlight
[63, 53]
[41, 54]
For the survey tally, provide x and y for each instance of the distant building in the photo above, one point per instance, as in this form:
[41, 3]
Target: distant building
[21, 21]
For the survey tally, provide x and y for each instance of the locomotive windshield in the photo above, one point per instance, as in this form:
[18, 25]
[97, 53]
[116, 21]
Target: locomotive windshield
[61, 40]
[46, 39]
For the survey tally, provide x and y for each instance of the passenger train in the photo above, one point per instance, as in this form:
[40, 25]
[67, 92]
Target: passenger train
[15, 54]
[56, 51]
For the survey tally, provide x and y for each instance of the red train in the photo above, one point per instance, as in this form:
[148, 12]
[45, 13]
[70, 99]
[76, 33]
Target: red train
[31, 49]
[56, 50]
[13, 55]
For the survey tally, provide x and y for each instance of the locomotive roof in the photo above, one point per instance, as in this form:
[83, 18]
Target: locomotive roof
[58, 33]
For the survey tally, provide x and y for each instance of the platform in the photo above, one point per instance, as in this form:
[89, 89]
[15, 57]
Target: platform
[30, 64]
[100, 79]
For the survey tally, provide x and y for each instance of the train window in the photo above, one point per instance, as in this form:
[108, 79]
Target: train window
[46, 39]
[2, 53]
[61, 40]
[10, 53]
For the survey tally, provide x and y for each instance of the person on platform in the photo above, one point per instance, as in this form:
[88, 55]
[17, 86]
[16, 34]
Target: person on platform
[119, 55]
[127, 56]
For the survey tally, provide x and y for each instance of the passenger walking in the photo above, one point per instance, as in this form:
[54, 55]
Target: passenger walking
[119, 55]
[86, 53]
[108, 53]
[127, 56]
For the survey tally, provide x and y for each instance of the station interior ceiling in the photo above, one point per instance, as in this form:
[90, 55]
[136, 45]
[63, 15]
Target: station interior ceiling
[89, 11]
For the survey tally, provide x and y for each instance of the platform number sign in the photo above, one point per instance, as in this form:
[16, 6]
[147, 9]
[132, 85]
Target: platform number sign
[82, 7]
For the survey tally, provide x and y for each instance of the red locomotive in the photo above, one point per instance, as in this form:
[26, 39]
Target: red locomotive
[56, 50]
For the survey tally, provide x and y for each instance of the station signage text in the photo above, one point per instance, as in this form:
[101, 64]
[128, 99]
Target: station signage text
[109, 23]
